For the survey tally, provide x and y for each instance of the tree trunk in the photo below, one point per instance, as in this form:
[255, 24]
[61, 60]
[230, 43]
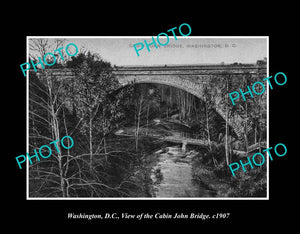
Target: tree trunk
[138, 124]
[246, 122]
[56, 135]
[246, 129]
[226, 126]
[91, 141]
[68, 150]
[148, 117]
[255, 133]
[104, 146]
[226, 141]
[207, 126]
[61, 174]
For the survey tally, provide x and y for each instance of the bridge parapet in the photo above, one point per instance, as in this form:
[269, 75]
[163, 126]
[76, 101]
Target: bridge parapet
[192, 71]
[189, 69]
[64, 73]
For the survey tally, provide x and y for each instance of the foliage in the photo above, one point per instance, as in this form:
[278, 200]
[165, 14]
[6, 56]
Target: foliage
[250, 183]
[89, 90]
[218, 178]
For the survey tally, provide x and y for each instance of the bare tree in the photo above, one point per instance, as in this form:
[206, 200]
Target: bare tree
[38, 47]
[51, 102]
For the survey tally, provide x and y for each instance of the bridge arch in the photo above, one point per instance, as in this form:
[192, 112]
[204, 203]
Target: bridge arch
[185, 85]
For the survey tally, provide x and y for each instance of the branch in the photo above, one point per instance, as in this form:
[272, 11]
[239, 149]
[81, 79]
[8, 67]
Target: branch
[47, 121]
[39, 104]
[42, 137]
[76, 126]
[47, 172]
[91, 184]
[37, 86]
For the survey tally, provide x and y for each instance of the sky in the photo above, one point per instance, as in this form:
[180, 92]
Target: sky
[185, 50]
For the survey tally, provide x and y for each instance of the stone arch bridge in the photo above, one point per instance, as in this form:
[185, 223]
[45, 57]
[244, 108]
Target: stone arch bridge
[191, 78]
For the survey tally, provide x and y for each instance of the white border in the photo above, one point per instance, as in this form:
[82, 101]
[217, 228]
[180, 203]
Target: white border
[138, 198]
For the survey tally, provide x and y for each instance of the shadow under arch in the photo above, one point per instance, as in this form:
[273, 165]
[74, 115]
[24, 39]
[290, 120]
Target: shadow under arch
[197, 92]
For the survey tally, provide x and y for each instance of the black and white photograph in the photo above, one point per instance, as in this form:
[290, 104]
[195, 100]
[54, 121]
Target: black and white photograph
[123, 118]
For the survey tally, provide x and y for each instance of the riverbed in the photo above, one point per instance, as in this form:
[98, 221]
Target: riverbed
[172, 174]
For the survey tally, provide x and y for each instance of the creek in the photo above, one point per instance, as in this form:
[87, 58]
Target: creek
[172, 174]
[171, 167]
